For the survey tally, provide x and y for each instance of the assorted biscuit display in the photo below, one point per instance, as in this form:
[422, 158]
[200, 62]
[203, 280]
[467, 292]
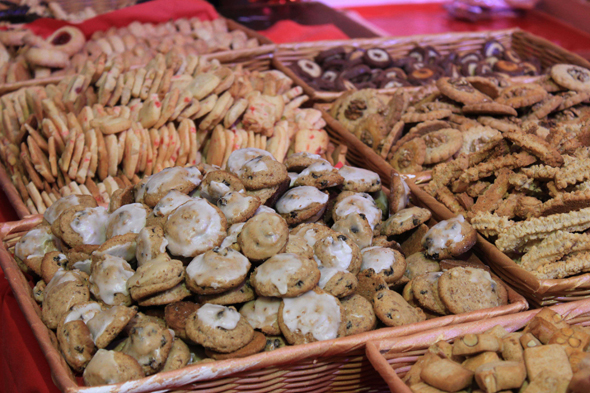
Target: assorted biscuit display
[547, 356]
[198, 263]
[341, 68]
[24, 55]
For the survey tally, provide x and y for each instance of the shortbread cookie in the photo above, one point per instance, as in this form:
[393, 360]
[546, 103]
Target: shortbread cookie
[217, 271]
[449, 238]
[285, 275]
[465, 289]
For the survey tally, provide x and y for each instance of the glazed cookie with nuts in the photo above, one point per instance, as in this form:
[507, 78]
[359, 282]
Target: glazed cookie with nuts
[338, 251]
[349, 202]
[62, 204]
[304, 203]
[83, 225]
[356, 227]
[217, 271]
[337, 282]
[182, 179]
[263, 236]
[299, 161]
[285, 275]
[166, 206]
[321, 175]
[107, 367]
[238, 158]
[386, 262]
[237, 206]
[449, 238]
[359, 180]
[159, 275]
[241, 294]
[108, 281]
[106, 325]
[122, 246]
[404, 220]
[51, 263]
[66, 288]
[149, 343]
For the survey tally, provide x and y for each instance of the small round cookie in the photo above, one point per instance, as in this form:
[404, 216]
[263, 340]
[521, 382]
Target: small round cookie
[174, 294]
[150, 243]
[256, 345]
[321, 175]
[262, 172]
[297, 162]
[449, 238]
[337, 282]
[386, 262]
[313, 316]
[237, 206]
[51, 263]
[121, 197]
[303, 237]
[425, 291]
[263, 236]
[195, 227]
[218, 183]
[217, 271]
[238, 158]
[404, 220]
[267, 195]
[67, 39]
[83, 225]
[127, 219]
[393, 310]
[106, 325]
[383, 241]
[399, 194]
[418, 263]
[231, 240]
[263, 314]
[241, 294]
[79, 260]
[356, 227]
[359, 316]
[304, 203]
[122, 246]
[66, 288]
[108, 281]
[168, 204]
[571, 76]
[75, 344]
[465, 289]
[274, 342]
[38, 290]
[362, 203]
[219, 328]
[109, 367]
[176, 315]
[62, 204]
[178, 357]
[359, 180]
[338, 251]
[160, 274]
[149, 343]
[285, 275]
[183, 179]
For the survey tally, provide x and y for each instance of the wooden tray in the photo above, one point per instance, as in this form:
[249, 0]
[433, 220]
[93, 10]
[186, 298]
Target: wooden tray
[524, 43]
[339, 364]
[393, 358]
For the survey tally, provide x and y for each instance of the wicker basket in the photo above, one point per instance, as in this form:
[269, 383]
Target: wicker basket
[524, 43]
[335, 365]
[393, 358]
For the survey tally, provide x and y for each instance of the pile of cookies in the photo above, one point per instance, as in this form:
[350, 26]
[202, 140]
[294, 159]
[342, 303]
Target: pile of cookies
[341, 68]
[54, 9]
[24, 55]
[109, 121]
[521, 180]
[548, 355]
[201, 264]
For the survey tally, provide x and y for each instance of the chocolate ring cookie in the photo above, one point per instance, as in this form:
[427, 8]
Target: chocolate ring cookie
[377, 57]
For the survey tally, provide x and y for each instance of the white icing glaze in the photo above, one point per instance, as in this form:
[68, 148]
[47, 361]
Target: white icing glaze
[168, 178]
[377, 258]
[358, 175]
[278, 270]
[90, 224]
[232, 235]
[300, 198]
[214, 190]
[111, 277]
[170, 202]
[84, 312]
[327, 274]
[127, 219]
[254, 165]
[233, 204]
[443, 234]
[293, 177]
[124, 250]
[306, 154]
[104, 364]
[143, 252]
[338, 254]
[58, 207]
[101, 321]
[217, 268]
[264, 209]
[316, 167]
[261, 312]
[216, 316]
[238, 158]
[61, 276]
[35, 243]
[83, 266]
[196, 231]
[403, 202]
[318, 314]
[361, 203]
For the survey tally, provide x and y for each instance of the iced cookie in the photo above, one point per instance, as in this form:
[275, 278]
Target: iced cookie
[84, 226]
[313, 316]
[337, 282]
[263, 236]
[386, 262]
[356, 227]
[121, 197]
[238, 207]
[66, 288]
[359, 316]
[105, 325]
[33, 245]
[405, 220]
[195, 227]
[262, 172]
[149, 344]
[359, 180]
[303, 237]
[150, 243]
[297, 162]
[301, 204]
[217, 271]
[418, 263]
[160, 274]
[109, 367]
[51, 263]
[321, 175]
[238, 158]
[362, 203]
[219, 328]
[122, 246]
[240, 294]
[465, 289]
[62, 204]
[231, 240]
[449, 238]
[176, 315]
[174, 294]
[393, 310]
[399, 194]
[178, 357]
[256, 345]
[127, 219]
[168, 204]
[262, 314]
[338, 251]
[183, 179]
[218, 183]
[285, 275]
[108, 281]
[75, 343]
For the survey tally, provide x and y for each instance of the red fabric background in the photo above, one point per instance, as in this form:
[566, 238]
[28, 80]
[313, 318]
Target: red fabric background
[289, 31]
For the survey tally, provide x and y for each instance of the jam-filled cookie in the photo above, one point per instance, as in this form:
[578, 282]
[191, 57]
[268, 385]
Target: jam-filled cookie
[285, 275]
[108, 367]
[359, 316]
[304, 203]
[237, 206]
[404, 220]
[356, 227]
[83, 225]
[338, 251]
[217, 271]
[262, 172]
[359, 180]
[321, 175]
[303, 237]
[183, 179]
[449, 238]
[127, 219]
[218, 183]
[386, 262]
[263, 314]
[150, 243]
[263, 236]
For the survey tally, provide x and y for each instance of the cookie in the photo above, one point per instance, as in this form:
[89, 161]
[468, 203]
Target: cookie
[262, 314]
[299, 204]
[219, 328]
[150, 243]
[127, 219]
[51, 263]
[399, 194]
[174, 294]
[313, 316]
[256, 345]
[108, 281]
[361, 203]
[218, 183]
[285, 275]
[405, 220]
[359, 316]
[121, 197]
[418, 264]
[75, 344]
[176, 315]
[33, 245]
[337, 282]
[217, 271]
[122, 246]
[338, 251]
[165, 206]
[571, 77]
[393, 310]
[359, 180]
[520, 95]
[262, 172]
[53, 212]
[194, 228]
[238, 158]
[297, 162]
[263, 236]
[356, 227]
[465, 289]
[182, 179]
[231, 239]
[274, 342]
[241, 294]
[178, 357]
[160, 274]
[83, 226]
[303, 238]
[108, 367]
[149, 343]
[388, 263]
[409, 157]
[425, 291]
[441, 145]
[460, 90]
[449, 238]
[66, 288]
[106, 325]
[238, 207]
